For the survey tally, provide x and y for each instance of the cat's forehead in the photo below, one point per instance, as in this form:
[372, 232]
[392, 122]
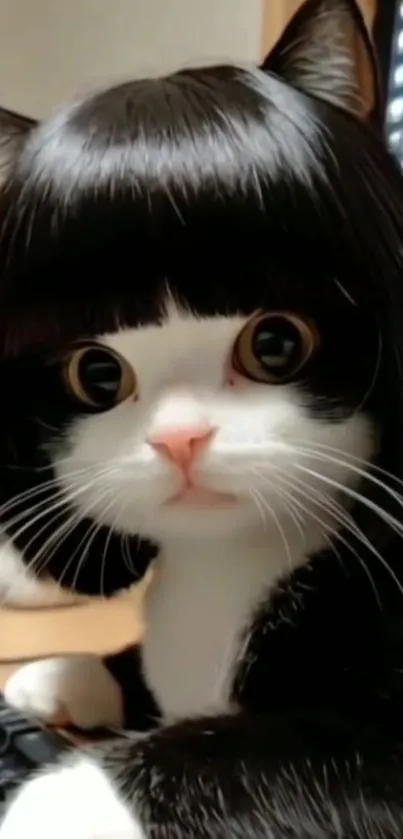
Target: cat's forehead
[177, 333]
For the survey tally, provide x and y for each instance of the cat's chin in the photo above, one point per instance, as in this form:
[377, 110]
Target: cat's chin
[193, 517]
[198, 497]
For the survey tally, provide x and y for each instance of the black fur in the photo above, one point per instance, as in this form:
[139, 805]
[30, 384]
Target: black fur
[140, 709]
[241, 191]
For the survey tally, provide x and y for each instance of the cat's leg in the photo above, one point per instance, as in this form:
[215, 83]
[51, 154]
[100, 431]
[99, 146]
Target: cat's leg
[222, 777]
[140, 711]
[85, 690]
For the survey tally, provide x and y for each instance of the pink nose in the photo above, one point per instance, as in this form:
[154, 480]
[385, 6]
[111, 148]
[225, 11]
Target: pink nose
[182, 446]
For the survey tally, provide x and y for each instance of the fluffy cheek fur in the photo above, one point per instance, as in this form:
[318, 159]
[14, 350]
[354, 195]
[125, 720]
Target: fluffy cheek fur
[268, 448]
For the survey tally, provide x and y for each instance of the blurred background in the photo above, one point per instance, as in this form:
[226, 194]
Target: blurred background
[51, 49]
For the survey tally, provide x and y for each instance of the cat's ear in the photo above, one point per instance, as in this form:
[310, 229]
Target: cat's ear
[14, 130]
[327, 52]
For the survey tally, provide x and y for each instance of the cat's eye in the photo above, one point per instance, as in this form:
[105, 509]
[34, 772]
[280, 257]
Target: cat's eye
[98, 377]
[273, 347]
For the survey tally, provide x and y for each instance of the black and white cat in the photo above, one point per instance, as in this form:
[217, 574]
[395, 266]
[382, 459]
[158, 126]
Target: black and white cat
[201, 323]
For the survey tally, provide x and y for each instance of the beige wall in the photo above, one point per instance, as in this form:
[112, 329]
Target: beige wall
[50, 49]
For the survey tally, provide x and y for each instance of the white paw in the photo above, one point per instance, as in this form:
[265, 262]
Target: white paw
[75, 800]
[77, 689]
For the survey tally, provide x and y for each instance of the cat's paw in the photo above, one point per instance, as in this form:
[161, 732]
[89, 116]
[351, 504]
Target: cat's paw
[77, 689]
[75, 800]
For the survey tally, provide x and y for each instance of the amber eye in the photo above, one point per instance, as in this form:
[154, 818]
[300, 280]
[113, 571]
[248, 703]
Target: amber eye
[98, 377]
[273, 348]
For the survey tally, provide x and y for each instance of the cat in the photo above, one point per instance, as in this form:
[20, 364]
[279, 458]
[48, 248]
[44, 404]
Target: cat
[201, 331]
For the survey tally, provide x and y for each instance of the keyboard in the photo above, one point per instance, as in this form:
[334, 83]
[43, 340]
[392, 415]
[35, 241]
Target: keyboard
[24, 747]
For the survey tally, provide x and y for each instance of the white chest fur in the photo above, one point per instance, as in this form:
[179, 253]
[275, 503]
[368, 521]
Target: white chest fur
[204, 595]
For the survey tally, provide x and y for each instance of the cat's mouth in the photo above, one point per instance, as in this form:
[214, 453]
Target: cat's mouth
[192, 495]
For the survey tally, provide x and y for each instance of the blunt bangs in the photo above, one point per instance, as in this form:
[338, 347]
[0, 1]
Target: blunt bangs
[223, 180]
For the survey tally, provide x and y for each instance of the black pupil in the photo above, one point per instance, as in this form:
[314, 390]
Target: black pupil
[277, 344]
[100, 376]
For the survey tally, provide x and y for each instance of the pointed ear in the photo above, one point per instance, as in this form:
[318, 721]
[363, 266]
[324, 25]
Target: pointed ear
[327, 52]
[13, 131]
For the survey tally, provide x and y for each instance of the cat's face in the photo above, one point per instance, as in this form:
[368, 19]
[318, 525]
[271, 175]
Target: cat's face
[215, 425]
[200, 311]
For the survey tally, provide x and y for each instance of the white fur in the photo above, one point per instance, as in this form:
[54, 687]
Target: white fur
[181, 370]
[205, 594]
[78, 685]
[73, 801]
[20, 588]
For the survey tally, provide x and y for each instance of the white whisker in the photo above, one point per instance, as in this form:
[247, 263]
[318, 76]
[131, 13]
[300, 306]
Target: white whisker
[39, 490]
[362, 473]
[91, 535]
[105, 551]
[274, 516]
[383, 514]
[259, 507]
[294, 514]
[347, 458]
[337, 513]
[75, 521]
[126, 553]
[69, 497]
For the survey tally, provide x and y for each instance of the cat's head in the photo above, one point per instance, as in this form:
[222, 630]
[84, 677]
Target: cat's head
[201, 308]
